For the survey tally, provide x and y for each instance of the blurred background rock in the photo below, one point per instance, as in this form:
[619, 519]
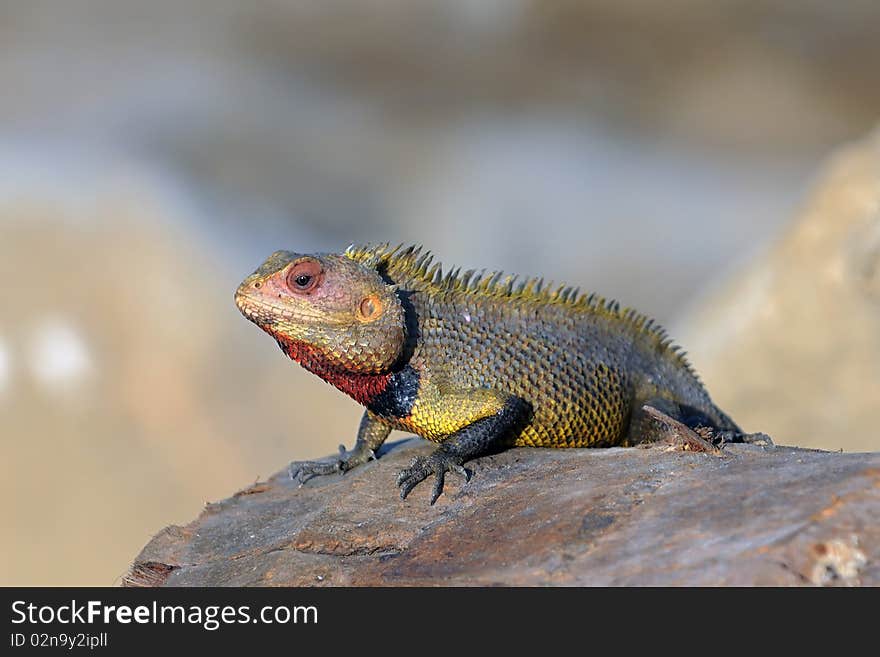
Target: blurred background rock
[151, 154]
[791, 343]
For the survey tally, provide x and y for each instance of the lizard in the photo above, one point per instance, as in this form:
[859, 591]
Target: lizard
[477, 362]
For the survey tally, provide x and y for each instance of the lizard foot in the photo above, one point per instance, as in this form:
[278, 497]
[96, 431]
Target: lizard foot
[438, 464]
[722, 438]
[302, 471]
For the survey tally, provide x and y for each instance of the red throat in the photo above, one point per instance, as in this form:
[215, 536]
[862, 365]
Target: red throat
[363, 388]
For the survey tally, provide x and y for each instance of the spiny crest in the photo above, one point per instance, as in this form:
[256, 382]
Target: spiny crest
[413, 265]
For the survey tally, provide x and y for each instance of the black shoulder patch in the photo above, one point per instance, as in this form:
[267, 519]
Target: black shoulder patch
[397, 400]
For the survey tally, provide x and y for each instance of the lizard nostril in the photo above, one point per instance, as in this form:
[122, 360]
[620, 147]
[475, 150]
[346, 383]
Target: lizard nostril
[257, 284]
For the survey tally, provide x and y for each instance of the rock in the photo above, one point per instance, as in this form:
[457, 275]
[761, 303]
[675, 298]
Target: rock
[751, 516]
[791, 345]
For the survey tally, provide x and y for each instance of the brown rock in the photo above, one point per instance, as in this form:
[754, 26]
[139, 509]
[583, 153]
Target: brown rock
[762, 516]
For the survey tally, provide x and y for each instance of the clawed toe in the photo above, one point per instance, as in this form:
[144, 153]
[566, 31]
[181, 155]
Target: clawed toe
[302, 471]
[421, 468]
[463, 471]
[723, 438]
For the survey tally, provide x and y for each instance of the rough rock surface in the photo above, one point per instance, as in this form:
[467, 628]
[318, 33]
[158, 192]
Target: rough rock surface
[751, 516]
[791, 345]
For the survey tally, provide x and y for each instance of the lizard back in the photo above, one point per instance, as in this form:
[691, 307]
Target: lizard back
[583, 363]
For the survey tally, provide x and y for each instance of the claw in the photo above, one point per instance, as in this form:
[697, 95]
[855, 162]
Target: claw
[406, 472]
[463, 471]
[437, 464]
[296, 474]
[296, 471]
[439, 479]
[302, 471]
[409, 483]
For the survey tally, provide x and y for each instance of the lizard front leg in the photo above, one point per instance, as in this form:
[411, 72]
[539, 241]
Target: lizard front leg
[477, 438]
[371, 434]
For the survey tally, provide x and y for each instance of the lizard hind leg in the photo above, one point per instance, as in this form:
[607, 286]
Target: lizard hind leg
[645, 424]
[664, 421]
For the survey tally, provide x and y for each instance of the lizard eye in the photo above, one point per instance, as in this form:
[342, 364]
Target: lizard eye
[304, 276]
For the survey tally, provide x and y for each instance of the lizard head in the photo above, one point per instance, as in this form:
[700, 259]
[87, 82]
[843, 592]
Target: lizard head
[326, 311]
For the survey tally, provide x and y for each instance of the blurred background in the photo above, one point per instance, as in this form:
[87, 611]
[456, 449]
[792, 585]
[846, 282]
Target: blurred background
[153, 153]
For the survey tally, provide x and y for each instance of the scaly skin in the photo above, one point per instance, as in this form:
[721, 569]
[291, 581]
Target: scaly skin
[473, 362]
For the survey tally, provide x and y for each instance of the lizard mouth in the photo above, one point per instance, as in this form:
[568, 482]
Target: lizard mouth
[254, 309]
